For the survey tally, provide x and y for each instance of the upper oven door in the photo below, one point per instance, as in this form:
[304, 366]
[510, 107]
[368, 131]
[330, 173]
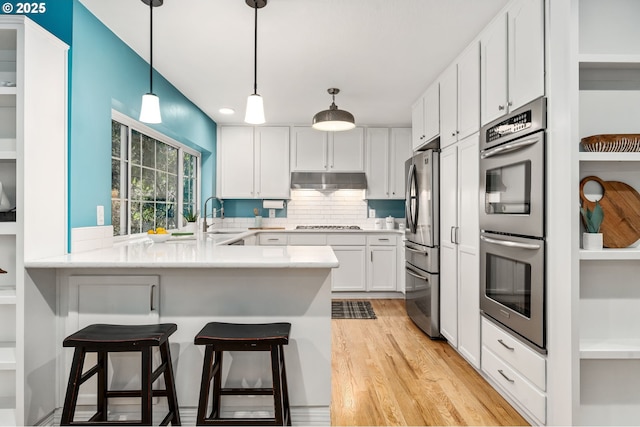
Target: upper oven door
[512, 186]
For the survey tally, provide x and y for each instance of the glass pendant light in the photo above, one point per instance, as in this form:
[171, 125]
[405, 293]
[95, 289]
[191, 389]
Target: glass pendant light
[150, 109]
[333, 119]
[255, 107]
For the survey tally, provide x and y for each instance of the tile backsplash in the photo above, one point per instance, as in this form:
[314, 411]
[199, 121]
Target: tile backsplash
[335, 207]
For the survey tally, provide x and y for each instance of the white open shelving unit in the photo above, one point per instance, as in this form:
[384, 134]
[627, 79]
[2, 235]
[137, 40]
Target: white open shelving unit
[609, 294]
[33, 140]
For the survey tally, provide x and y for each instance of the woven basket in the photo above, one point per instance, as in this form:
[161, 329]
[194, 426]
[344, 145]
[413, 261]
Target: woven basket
[611, 143]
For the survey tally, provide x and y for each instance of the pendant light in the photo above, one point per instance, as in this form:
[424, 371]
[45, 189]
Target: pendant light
[333, 119]
[255, 107]
[150, 110]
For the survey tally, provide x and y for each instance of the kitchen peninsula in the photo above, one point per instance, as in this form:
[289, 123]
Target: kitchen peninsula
[189, 283]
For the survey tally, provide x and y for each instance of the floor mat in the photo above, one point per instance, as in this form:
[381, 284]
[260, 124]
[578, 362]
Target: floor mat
[352, 309]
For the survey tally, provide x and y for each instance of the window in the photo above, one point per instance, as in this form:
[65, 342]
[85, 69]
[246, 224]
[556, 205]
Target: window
[152, 179]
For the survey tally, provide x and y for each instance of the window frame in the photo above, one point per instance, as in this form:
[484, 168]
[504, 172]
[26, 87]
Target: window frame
[143, 129]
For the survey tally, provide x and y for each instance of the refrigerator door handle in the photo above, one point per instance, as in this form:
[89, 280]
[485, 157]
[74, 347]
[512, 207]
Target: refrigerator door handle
[412, 188]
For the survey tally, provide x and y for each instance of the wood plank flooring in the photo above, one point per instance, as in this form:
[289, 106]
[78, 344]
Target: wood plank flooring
[386, 372]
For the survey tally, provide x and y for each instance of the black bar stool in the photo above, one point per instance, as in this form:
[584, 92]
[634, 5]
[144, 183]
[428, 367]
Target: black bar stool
[220, 337]
[104, 339]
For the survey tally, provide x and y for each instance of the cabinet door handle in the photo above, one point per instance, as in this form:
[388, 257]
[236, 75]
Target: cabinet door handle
[457, 235]
[273, 240]
[371, 256]
[506, 346]
[452, 237]
[510, 103]
[383, 240]
[453, 134]
[506, 377]
[152, 298]
[501, 107]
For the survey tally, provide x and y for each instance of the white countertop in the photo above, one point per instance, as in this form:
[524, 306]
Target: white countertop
[204, 253]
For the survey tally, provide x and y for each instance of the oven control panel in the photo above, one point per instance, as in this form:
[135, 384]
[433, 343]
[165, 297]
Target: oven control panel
[523, 121]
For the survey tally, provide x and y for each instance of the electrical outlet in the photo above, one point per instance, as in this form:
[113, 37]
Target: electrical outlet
[372, 213]
[272, 213]
[100, 215]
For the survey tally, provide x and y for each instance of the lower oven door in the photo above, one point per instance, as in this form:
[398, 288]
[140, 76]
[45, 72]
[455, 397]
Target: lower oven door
[422, 295]
[512, 284]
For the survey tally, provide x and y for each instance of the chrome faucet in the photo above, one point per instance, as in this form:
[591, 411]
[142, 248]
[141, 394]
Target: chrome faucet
[205, 227]
[204, 217]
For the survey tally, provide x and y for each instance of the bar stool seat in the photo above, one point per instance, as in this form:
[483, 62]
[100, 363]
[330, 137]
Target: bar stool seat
[219, 337]
[103, 339]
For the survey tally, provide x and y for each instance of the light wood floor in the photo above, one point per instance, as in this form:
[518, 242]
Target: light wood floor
[388, 372]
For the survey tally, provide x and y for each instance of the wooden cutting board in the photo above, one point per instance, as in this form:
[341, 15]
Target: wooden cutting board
[621, 206]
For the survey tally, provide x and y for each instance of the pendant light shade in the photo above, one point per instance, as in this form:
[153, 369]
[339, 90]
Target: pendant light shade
[150, 109]
[255, 106]
[333, 119]
[255, 110]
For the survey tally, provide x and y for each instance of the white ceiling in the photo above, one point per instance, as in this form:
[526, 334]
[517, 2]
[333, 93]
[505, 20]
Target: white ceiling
[381, 54]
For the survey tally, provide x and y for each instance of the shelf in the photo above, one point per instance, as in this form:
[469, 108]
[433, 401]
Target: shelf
[609, 157]
[8, 90]
[610, 348]
[8, 411]
[8, 228]
[7, 295]
[621, 254]
[608, 61]
[7, 356]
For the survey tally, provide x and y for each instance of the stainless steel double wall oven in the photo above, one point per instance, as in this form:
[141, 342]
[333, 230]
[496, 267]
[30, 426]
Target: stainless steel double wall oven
[512, 221]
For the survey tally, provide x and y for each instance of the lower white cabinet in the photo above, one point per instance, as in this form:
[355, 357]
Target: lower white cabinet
[517, 369]
[127, 300]
[350, 249]
[382, 263]
[368, 263]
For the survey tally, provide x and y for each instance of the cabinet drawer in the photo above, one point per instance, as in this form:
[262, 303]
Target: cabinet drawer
[515, 384]
[382, 240]
[346, 239]
[526, 361]
[273, 239]
[312, 239]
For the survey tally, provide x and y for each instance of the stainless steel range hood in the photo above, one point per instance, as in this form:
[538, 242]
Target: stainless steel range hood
[328, 180]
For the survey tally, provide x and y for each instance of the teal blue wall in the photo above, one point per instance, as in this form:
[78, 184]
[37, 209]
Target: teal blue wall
[56, 18]
[385, 208]
[106, 74]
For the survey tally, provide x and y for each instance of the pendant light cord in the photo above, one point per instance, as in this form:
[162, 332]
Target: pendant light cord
[255, 49]
[150, 46]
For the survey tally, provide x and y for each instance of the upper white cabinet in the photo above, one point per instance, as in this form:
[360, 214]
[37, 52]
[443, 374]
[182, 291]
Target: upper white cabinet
[253, 162]
[318, 151]
[512, 59]
[387, 150]
[33, 141]
[425, 117]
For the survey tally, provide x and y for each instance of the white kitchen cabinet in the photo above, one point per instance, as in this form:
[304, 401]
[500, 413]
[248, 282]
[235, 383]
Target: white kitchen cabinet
[425, 117]
[512, 59]
[350, 249]
[382, 263]
[319, 151]
[126, 300]
[460, 97]
[253, 162]
[459, 248]
[517, 369]
[386, 151]
[33, 139]
[272, 239]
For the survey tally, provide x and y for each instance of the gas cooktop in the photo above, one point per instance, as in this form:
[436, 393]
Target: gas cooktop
[328, 227]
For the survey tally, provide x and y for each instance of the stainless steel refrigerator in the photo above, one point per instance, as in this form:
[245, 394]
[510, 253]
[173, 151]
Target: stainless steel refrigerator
[422, 241]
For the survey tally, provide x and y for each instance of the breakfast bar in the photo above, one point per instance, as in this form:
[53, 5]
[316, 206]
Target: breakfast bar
[189, 283]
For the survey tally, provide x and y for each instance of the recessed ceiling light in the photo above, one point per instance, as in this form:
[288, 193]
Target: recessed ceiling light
[226, 110]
